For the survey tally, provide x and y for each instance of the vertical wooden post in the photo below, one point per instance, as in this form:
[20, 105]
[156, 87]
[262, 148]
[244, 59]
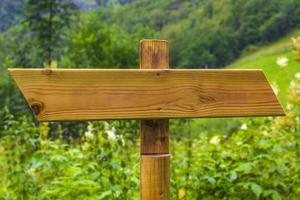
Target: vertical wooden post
[155, 157]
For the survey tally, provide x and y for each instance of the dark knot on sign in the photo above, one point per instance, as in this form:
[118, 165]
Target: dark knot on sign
[47, 71]
[36, 107]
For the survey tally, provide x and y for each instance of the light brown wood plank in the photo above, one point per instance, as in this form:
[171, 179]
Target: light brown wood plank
[155, 172]
[70, 94]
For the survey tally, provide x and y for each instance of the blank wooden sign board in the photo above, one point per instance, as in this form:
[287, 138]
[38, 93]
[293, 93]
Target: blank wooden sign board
[154, 93]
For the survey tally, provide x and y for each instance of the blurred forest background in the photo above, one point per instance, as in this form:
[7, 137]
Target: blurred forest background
[249, 158]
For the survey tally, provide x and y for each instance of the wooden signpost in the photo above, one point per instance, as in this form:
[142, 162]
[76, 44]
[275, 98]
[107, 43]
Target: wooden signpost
[154, 93]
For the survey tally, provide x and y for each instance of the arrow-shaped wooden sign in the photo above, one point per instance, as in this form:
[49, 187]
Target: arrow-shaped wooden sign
[85, 94]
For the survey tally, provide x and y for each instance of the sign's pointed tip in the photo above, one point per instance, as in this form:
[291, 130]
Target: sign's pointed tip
[12, 71]
[283, 113]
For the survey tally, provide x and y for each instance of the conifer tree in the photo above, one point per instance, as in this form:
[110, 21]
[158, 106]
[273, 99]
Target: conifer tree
[46, 20]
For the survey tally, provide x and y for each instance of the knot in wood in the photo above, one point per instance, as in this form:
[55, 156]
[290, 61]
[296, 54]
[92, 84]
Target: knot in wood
[36, 107]
[47, 71]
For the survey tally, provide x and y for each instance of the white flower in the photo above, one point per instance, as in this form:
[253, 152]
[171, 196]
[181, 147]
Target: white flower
[265, 133]
[89, 135]
[89, 132]
[275, 88]
[282, 61]
[111, 133]
[297, 75]
[293, 84]
[289, 106]
[215, 140]
[244, 126]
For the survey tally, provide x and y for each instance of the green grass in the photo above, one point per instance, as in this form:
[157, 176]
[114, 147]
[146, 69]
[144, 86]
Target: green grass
[265, 58]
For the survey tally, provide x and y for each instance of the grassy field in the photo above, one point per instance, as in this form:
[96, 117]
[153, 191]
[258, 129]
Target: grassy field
[266, 58]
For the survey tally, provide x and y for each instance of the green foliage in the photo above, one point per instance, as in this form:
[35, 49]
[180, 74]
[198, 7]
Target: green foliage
[209, 33]
[102, 164]
[109, 3]
[208, 48]
[97, 45]
[11, 12]
[204, 33]
[46, 19]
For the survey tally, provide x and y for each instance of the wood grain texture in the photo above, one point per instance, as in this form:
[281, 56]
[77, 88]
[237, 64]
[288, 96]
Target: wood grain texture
[154, 54]
[155, 136]
[155, 170]
[155, 166]
[144, 94]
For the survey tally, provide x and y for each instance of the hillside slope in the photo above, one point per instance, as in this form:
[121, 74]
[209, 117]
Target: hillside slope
[206, 32]
[268, 59]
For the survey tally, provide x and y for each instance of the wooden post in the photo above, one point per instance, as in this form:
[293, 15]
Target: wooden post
[155, 157]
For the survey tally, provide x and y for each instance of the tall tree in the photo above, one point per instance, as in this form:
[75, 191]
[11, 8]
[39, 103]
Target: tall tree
[47, 20]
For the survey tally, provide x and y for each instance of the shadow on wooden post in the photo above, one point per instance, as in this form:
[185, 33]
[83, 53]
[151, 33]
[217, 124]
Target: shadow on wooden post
[155, 157]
